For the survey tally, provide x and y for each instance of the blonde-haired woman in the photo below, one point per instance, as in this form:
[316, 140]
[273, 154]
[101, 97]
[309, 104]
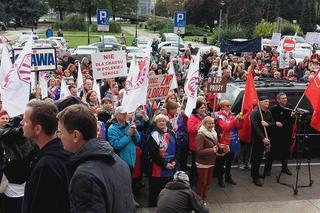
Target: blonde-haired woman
[206, 151]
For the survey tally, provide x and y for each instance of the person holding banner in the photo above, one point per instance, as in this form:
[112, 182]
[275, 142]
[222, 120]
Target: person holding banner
[261, 123]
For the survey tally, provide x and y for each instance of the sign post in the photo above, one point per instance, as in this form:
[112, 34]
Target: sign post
[288, 45]
[180, 21]
[103, 21]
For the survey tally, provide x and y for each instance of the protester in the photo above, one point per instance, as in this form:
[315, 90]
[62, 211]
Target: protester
[100, 181]
[281, 138]
[227, 128]
[177, 196]
[260, 141]
[47, 187]
[162, 149]
[193, 124]
[206, 149]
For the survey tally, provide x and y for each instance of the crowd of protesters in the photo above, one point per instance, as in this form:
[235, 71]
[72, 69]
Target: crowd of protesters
[156, 140]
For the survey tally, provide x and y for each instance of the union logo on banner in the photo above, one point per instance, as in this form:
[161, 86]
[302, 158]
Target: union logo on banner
[143, 71]
[193, 86]
[24, 69]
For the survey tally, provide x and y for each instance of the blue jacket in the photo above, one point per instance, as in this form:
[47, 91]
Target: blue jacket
[122, 143]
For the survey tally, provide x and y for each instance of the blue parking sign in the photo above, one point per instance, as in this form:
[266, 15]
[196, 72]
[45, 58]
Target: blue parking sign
[102, 17]
[180, 18]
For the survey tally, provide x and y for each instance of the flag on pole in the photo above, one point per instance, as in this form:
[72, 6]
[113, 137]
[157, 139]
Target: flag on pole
[65, 92]
[16, 83]
[250, 98]
[79, 80]
[136, 85]
[192, 84]
[96, 88]
[174, 83]
[5, 63]
[313, 94]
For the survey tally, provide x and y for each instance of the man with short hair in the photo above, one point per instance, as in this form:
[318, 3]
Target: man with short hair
[259, 138]
[88, 85]
[281, 138]
[47, 187]
[101, 181]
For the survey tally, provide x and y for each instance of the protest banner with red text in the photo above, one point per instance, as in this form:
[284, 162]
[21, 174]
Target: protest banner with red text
[159, 86]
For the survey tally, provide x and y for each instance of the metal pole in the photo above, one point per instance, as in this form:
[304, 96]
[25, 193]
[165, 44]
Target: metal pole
[178, 41]
[137, 22]
[88, 30]
[220, 18]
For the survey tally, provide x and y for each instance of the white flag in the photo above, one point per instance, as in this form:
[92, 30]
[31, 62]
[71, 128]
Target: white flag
[79, 80]
[136, 85]
[174, 83]
[64, 92]
[192, 85]
[16, 83]
[96, 88]
[43, 81]
[5, 63]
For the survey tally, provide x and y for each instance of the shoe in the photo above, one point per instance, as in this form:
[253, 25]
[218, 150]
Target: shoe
[286, 171]
[248, 166]
[221, 183]
[257, 182]
[242, 167]
[231, 181]
[267, 173]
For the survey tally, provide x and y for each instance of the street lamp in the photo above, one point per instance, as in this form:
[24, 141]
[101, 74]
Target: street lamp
[222, 3]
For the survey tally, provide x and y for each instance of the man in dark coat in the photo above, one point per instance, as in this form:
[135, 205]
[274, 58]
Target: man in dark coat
[259, 139]
[47, 187]
[101, 181]
[281, 138]
[177, 196]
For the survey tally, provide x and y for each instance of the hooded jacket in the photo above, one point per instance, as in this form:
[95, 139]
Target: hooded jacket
[101, 181]
[178, 197]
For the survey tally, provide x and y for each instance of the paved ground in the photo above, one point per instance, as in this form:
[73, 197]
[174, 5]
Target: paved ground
[272, 197]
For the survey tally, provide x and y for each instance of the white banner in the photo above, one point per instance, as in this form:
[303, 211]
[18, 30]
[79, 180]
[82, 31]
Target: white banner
[313, 38]
[284, 60]
[109, 64]
[275, 40]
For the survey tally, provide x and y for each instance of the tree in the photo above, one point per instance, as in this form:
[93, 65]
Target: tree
[23, 11]
[59, 6]
[308, 16]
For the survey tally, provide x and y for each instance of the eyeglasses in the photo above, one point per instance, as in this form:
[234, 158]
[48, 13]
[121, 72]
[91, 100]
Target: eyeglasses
[58, 133]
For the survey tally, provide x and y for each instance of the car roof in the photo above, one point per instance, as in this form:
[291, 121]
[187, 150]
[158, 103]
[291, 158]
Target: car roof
[269, 84]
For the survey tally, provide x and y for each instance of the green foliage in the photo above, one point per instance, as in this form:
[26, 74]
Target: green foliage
[113, 28]
[264, 29]
[231, 32]
[156, 24]
[192, 30]
[74, 22]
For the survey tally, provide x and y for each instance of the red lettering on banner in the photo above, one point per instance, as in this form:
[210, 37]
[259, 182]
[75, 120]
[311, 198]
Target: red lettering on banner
[111, 56]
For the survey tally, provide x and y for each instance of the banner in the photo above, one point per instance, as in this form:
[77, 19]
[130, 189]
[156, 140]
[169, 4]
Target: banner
[313, 38]
[109, 64]
[159, 86]
[5, 63]
[275, 40]
[284, 60]
[42, 59]
[217, 85]
[228, 45]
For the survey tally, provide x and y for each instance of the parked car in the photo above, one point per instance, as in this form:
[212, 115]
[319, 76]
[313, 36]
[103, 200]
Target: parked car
[170, 37]
[271, 88]
[63, 41]
[84, 51]
[143, 42]
[134, 51]
[24, 37]
[109, 43]
[173, 50]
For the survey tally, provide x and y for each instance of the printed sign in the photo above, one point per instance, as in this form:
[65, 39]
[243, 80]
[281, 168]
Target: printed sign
[109, 64]
[275, 40]
[313, 38]
[42, 59]
[159, 86]
[284, 60]
[217, 85]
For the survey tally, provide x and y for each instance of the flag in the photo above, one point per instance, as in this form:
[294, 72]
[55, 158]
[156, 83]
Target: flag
[5, 63]
[96, 88]
[312, 92]
[192, 84]
[250, 98]
[79, 80]
[65, 92]
[136, 85]
[174, 83]
[16, 83]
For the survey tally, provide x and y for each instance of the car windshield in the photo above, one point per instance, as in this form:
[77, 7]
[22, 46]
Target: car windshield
[111, 40]
[300, 39]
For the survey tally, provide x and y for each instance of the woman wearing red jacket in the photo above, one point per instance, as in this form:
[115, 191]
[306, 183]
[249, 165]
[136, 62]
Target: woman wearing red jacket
[193, 124]
[227, 128]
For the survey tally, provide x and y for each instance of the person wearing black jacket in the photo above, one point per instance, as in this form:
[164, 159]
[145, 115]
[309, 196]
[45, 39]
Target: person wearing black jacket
[281, 138]
[100, 180]
[47, 186]
[259, 139]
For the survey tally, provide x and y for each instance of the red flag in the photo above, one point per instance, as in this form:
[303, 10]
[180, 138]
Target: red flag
[250, 98]
[313, 94]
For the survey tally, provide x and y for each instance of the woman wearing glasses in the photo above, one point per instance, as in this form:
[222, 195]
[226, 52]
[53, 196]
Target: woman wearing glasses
[227, 128]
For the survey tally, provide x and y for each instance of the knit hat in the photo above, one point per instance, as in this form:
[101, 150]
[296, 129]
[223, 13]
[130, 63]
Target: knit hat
[171, 105]
[263, 97]
[181, 176]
